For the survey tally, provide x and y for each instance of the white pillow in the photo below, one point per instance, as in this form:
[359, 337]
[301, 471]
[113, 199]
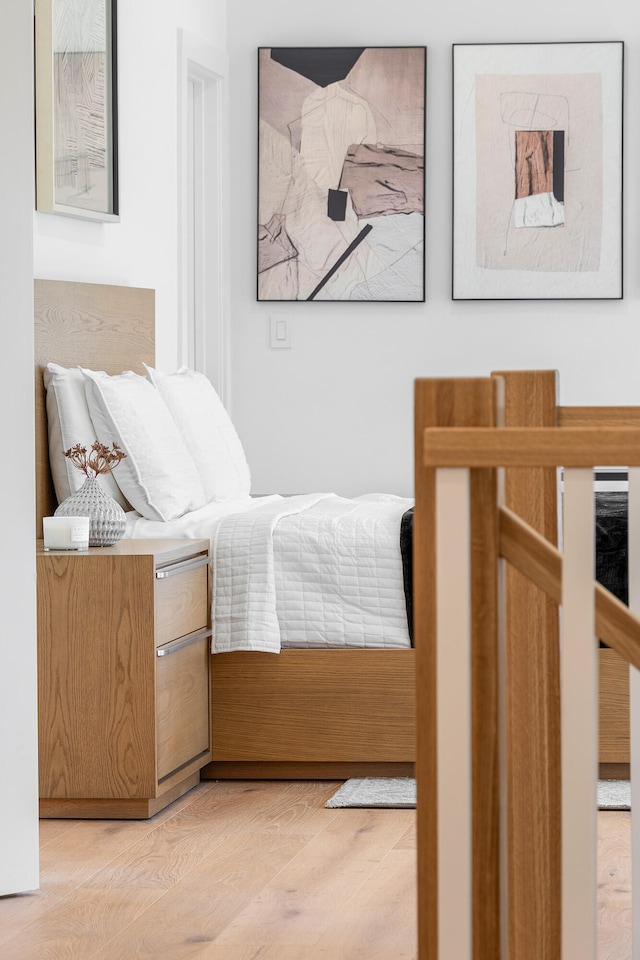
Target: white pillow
[158, 476]
[207, 431]
[68, 423]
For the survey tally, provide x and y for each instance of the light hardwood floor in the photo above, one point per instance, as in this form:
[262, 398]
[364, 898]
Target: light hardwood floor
[233, 870]
[614, 885]
[250, 871]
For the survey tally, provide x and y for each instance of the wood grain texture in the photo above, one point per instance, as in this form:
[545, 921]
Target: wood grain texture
[614, 771]
[241, 871]
[531, 553]
[445, 403]
[484, 709]
[615, 625]
[110, 328]
[104, 707]
[533, 705]
[182, 604]
[237, 866]
[313, 706]
[96, 736]
[543, 565]
[599, 416]
[614, 886]
[182, 706]
[614, 707]
[532, 447]
[300, 770]
[66, 808]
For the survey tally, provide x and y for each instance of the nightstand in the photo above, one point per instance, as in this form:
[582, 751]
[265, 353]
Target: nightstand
[123, 676]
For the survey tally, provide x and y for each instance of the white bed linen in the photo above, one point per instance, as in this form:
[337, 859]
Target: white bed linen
[315, 570]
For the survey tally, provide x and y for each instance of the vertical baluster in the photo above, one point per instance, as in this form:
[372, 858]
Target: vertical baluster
[579, 700]
[633, 532]
[453, 670]
[503, 754]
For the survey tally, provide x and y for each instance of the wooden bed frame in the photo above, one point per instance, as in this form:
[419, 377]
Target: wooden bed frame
[313, 713]
[301, 714]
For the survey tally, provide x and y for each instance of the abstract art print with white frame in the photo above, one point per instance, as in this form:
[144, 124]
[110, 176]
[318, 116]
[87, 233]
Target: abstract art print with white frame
[341, 149]
[537, 161]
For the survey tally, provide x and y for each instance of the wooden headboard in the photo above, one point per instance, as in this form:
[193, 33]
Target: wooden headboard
[90, 325]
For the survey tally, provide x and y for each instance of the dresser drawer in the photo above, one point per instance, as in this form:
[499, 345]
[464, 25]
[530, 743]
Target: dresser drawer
[122, 730]
[181, 599]
[182, 701]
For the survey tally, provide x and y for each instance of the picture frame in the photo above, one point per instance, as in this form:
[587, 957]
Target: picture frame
[341, 180]
[76, 108]
[538, 171]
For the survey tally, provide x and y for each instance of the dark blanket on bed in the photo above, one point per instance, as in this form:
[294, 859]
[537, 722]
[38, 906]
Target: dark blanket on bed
[406, 549]
[611, 543]
[611, 549]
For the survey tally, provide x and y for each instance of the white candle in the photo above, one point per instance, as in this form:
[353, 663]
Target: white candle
[66, 533]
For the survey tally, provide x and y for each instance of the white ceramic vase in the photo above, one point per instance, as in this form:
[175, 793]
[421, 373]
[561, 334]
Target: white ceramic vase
[107, 519]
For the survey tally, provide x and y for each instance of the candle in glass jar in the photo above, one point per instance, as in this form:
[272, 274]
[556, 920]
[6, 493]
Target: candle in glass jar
[66, 533]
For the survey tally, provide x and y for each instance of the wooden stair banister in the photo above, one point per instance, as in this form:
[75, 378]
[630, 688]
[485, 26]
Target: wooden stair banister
[449, 448]
[464, 402]
[542, 563]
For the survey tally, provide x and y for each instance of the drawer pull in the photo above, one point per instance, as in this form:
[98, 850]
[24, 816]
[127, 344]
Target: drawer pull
[172, 569]
[181, 642]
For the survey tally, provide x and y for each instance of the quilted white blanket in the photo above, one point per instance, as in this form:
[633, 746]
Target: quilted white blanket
[308, 571]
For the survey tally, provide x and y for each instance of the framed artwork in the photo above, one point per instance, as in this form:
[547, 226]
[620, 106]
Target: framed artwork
[537, 171]
[76, 108]
[341, 173]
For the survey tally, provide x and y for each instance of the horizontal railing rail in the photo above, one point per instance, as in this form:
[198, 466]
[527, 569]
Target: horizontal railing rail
[599, 416]
[531, 446]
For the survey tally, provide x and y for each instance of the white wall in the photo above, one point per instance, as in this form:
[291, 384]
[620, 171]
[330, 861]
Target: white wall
[335, 411]
[18, 685]
[142, 249]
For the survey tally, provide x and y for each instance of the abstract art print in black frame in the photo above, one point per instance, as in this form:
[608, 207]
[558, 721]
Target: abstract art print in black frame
[341, 177]
[537, 170]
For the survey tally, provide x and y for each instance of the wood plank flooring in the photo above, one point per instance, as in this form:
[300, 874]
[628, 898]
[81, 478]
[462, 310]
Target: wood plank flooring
[239, 870]
[250, 871]
[614, 885]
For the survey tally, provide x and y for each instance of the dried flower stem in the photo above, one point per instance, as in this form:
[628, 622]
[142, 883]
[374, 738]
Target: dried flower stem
[100, 460]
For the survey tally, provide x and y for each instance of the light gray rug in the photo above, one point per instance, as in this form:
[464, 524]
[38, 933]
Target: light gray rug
[614, 795]
[375, 792]
[401, 792]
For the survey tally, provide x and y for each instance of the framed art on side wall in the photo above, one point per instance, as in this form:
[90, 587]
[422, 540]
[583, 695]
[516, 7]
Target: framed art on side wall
[537, 171]
[76, 108]
[341, 147]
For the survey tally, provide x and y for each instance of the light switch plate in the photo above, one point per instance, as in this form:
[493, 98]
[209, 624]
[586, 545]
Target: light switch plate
[279, 332]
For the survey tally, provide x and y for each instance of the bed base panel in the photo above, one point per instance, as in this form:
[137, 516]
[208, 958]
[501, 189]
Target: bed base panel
[335, 707]
[248, 770]
[271, 712]
[614, 710]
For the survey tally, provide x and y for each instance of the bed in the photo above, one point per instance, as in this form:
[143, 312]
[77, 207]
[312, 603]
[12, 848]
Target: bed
[309, 713]
[305, 713]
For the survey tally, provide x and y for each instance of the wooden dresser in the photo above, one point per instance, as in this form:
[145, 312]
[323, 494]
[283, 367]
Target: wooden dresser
[123, 676]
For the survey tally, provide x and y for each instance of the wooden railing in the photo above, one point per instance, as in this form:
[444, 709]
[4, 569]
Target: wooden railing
[506, 858]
